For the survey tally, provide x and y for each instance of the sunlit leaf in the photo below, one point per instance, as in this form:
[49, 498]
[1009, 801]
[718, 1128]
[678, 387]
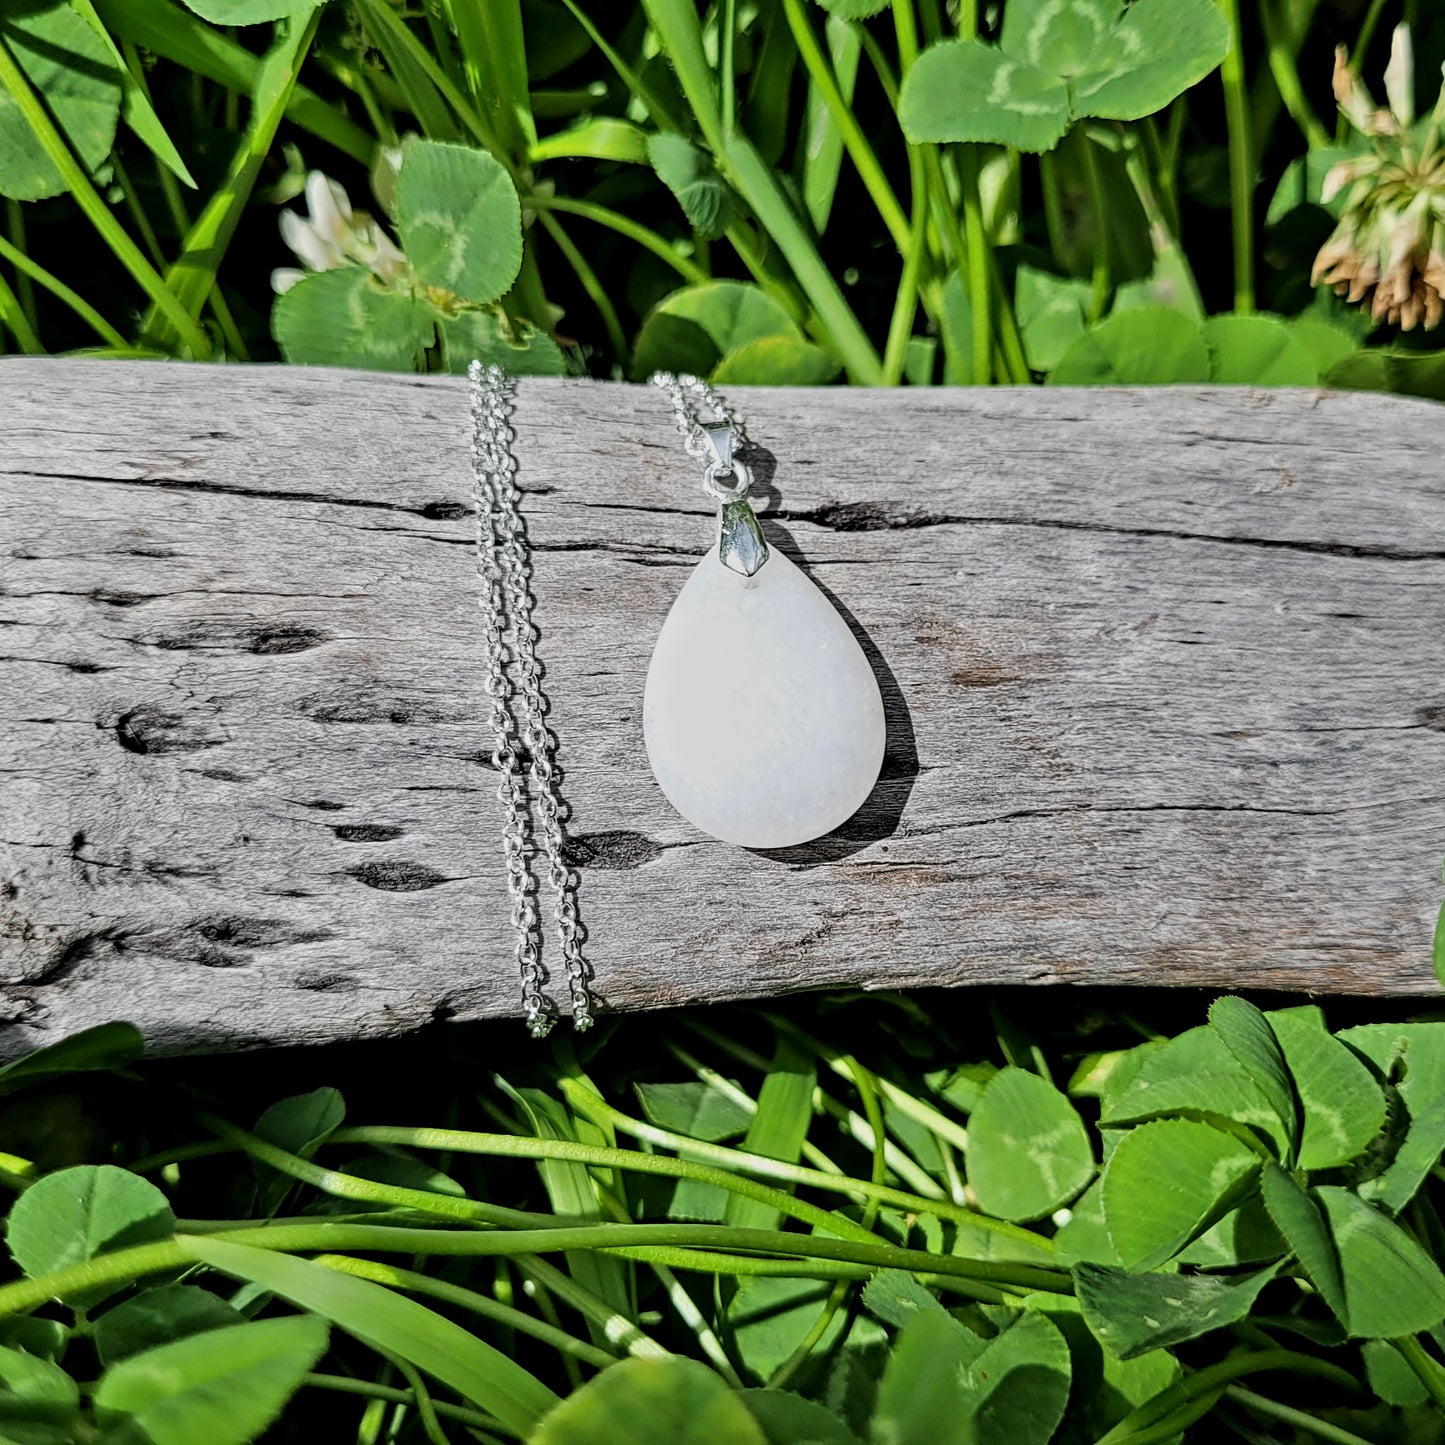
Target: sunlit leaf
[1246, 1235]
[1055, 64]
[822, 139]
[694, 328]
[1415, 1053]
[174, 34]
[695, 1109]
[1062, 39]
[1167, 1182]
[778, 1129]
[1327, 344]
[690, 175]
[1343, 1106]
[248, 12]
[71, 68]
[671, 1401]
[135, 109]
[106, 1046]
[960, 90]
[1247, 1034]
[1144, 346]
[1190, 1074]
[1134, 1313]
[572, 1189]
[223, 1386]
[347, 318]
[459, 220]
[487, 335]
[1299, 1220]
[956, 323]
[1391, 1286]
[1257, 351]
[192, 276]
[1157, 51]
[1083, 1236]
[776, 361]
[1050, 311]
[603, 137]
[1028, 1150]
[1390, 1374]
[895, 1297]
[75, 1214]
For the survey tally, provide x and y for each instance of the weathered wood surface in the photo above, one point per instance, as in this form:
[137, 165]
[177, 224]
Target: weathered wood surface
[1165, 674]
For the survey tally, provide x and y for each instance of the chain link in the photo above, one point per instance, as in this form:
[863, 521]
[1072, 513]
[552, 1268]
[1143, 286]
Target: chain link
[518, 708]
[684, 389]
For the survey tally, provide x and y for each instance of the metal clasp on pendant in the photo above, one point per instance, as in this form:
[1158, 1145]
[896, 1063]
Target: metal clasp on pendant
[742, 547]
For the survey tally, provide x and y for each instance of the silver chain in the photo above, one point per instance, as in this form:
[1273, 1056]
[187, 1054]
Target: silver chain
[685, 390]
[519, 709]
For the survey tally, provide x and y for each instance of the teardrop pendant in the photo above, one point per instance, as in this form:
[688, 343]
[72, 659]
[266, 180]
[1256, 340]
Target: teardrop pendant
[762, 717]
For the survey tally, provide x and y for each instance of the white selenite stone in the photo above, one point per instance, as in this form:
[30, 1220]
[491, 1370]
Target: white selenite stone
[762, 716]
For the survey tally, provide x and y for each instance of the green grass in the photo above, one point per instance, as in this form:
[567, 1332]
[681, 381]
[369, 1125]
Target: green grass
[721, 1186]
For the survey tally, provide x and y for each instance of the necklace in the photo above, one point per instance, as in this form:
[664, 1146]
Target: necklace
[762, 718]
[518, 709]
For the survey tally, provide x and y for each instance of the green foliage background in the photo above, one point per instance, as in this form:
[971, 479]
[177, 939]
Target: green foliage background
[901, 1220]
[765, 190]
[881, 1219]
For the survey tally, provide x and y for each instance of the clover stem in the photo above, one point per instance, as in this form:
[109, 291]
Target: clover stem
[1241, 161]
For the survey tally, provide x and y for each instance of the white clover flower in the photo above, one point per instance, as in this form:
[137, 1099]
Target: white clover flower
[331, 234]
[1387, 254]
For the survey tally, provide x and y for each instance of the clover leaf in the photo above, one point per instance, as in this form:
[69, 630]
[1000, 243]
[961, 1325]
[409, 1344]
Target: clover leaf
[1058, 61]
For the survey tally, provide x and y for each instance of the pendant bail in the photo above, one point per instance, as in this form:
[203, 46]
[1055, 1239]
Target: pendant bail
[719, 441]
[741, 546]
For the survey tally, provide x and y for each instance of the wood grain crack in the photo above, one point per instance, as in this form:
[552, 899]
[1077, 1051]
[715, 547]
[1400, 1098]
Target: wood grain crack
[876, 517]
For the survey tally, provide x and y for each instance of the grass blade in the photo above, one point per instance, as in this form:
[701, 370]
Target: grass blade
[822, 140]
[176, 35]
[494, 58]
[415, 1282]
[573, 1191]
[94, 208]
[824, 85]
[390, 1322]
[135, 106]
[677, 27]
[193, 273]
[778, 1129]
[12, 315]
[430, 93]
[680, 33]
[842, 330]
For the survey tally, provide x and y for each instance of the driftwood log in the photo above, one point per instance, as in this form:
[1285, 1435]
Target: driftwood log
[1165, 677]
